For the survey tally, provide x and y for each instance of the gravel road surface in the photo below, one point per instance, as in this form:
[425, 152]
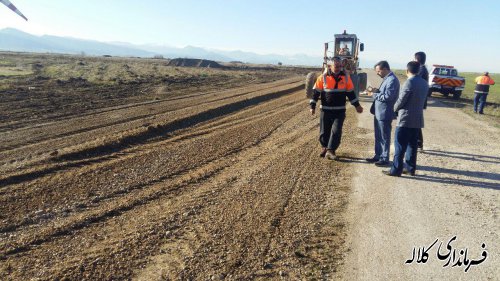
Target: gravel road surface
[456, 192]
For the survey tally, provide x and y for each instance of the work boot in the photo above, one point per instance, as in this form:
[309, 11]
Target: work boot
[323, 153]
[330, 155]
[388, 173]
[382, 163]
[371, 160]
[406, 172]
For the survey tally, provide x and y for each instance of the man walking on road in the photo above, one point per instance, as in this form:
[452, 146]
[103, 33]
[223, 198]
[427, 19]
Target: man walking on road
[384, 99]
[483, 83]
[410, 108]
[333, 87]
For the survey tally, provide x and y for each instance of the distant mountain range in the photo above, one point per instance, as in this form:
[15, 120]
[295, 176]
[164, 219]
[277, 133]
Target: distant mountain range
[19, 41]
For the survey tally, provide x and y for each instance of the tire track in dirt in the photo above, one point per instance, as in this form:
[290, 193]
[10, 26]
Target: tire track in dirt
[110, 120]
[188, 210]
[78, 124]
[180, 136]
[207, 128]
[30, 101]
[274, 182]
[141, 153]
[113, 144]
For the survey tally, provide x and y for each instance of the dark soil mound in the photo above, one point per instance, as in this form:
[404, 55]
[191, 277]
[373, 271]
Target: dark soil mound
[194, 63]
[74, 81]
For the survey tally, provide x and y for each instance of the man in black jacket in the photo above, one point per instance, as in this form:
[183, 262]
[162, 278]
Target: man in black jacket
[333, 87]
[420, 57]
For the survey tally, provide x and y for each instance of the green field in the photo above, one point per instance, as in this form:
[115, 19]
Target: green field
[494, 95]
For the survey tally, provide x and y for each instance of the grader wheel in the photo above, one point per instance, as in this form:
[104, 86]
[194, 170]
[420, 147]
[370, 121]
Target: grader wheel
[363, 80]
[310, 80]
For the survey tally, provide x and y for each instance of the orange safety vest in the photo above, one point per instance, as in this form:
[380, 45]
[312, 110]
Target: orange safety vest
[328, 84]
[483, 83]
[484, 80]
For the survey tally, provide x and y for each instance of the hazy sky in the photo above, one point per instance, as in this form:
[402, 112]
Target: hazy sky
[456, 32]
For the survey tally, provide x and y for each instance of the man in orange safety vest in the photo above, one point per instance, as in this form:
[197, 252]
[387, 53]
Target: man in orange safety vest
[483, 83]
[333, 87]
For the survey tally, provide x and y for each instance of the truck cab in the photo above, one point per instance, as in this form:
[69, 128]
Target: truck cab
[444, 79]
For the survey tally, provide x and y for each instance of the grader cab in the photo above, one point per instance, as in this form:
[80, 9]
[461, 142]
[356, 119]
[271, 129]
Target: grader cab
[347, 47]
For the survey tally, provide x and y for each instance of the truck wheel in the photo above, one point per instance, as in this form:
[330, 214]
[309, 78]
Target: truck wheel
[457, 94]
[355, 83]
[363, 80]
[310, 80]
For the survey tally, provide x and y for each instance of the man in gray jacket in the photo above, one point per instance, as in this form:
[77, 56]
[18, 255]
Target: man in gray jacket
[410, 109]
[384, 100]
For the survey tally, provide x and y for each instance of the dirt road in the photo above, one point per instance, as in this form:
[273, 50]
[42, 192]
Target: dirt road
[456, 193]
[228, 185]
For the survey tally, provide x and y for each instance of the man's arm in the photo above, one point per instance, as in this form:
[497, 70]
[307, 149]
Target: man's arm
[422, 72]
[390, 92]
[314, 100]
[404, 95]
[318, 87]
[354, 101]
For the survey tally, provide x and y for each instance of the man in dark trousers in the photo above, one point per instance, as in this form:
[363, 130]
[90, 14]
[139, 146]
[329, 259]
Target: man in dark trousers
[420, 57]
[481, 91]
[410, 109]
[384, 99]
[333, 87]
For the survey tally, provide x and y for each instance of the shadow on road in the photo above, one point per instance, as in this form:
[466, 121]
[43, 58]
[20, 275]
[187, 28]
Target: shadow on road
[464, 156]
[455, 181]
[448, 102]
[348, 159]
[443, 172]
[472, 174]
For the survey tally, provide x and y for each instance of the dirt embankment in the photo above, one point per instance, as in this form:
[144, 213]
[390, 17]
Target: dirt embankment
[194, 63]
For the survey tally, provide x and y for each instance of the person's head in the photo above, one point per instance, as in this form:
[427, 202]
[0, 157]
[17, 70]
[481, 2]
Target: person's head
[486, 73]
[382, 68]
[420, 57]
[412, 68]
[335, 65]
[345, 46]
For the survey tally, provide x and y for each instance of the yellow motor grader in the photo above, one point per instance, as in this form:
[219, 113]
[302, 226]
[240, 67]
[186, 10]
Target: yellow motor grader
[347, 47]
